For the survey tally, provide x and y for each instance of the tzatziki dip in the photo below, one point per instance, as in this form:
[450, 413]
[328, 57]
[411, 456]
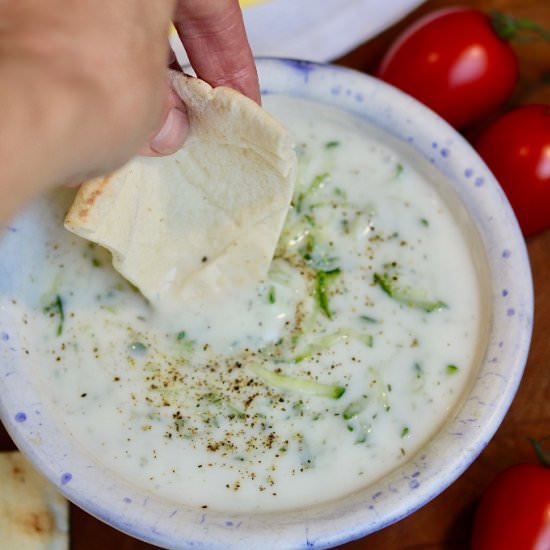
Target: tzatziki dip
[316, 383]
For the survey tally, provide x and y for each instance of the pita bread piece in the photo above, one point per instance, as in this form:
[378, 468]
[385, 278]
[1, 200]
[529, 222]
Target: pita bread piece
[33, 514]
[201, 221]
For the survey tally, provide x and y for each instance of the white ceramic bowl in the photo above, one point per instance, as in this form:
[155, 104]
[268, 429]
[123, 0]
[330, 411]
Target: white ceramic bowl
[170, 524]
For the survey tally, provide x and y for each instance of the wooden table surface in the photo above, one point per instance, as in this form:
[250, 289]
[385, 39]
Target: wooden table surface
[444, 523]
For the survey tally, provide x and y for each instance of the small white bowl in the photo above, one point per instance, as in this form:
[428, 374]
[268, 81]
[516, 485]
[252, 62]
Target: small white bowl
[423, 476]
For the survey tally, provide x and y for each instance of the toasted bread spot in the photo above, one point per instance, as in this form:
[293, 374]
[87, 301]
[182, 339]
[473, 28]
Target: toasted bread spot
[98, 190]
[38, 523]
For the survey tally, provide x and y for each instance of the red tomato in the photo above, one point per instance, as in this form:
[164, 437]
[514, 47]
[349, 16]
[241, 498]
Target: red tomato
[514, 512]
[453, 61]
[516, 147]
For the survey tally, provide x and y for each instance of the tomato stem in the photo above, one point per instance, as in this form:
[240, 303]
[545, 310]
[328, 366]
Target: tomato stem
[542, 454]
[509, 28]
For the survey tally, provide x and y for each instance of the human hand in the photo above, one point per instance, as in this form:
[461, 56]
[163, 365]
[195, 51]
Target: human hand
[84, 83]
[214, 37]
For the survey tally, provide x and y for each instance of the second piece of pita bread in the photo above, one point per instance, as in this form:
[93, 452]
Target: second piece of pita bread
[205, 219]
[33, 514]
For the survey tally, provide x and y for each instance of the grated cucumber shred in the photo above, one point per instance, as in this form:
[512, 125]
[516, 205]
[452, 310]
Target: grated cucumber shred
[317, 183]
[291, 383]
[405, 295]
[325, 342]
[321, 289]
[354, 408]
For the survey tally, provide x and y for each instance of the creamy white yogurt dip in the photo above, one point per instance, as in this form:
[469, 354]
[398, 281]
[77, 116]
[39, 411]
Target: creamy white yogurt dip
[314, 384]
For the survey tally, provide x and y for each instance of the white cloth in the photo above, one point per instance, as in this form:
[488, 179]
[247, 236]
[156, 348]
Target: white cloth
[316, 30]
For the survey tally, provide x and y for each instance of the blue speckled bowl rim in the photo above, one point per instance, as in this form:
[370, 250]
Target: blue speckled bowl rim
[172, 525]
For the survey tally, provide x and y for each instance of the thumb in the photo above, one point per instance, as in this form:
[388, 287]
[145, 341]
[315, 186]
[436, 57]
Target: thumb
[173, 132]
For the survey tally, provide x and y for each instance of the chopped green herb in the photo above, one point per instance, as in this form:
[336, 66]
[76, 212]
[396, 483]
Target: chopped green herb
[309, 246]
[61, 313]
[452, 369]
[312, 187]
[299, 202]
[291, 383]
[331, 144]
[321, 290]
[368, 319]
[181, 335]
[404, 296]
[271, 295]
[398, 169]
[424, 222]
[96, 262]
[404, 431]
[309, 219]
[354, 408]
[56, 308]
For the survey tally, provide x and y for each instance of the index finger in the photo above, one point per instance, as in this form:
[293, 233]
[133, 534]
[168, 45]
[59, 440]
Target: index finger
[214, 38]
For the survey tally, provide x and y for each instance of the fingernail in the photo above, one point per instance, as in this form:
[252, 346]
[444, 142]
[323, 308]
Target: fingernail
[172, 134]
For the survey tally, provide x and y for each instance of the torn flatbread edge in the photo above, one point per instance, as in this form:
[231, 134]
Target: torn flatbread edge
[205, 104]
